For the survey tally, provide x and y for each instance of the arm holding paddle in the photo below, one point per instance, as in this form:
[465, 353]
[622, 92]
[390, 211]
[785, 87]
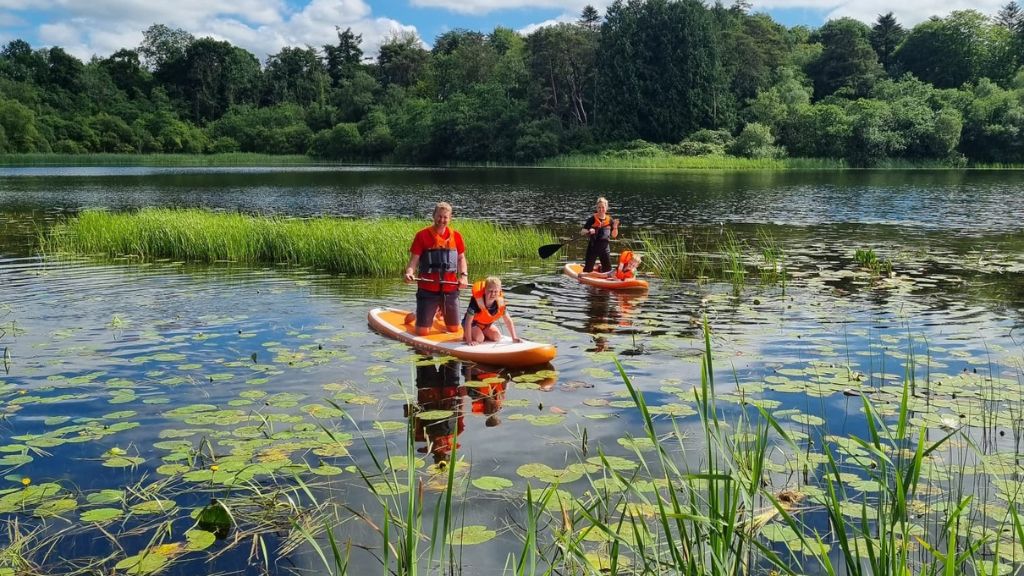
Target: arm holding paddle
[410, 268]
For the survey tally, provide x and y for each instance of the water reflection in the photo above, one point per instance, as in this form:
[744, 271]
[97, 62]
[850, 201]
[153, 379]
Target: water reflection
[608, 312]
[440, 395]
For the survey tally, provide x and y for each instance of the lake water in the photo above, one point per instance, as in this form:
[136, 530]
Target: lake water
[138, 377]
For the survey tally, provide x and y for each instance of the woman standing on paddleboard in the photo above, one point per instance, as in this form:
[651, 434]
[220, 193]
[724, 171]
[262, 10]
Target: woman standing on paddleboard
[439, 255]
[601, 228]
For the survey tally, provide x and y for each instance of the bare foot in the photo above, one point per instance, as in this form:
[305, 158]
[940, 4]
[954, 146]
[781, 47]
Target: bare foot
[410, 317]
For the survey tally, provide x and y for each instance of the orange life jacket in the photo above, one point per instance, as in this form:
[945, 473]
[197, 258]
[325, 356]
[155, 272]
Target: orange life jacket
[599, 223]
[495, 391]
[440, 261]
[484, 316]
[620, 272]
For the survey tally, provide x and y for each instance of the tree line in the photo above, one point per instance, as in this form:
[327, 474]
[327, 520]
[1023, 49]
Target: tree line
[648, 77]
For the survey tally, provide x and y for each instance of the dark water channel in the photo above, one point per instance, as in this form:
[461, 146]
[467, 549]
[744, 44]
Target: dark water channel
[139, 377]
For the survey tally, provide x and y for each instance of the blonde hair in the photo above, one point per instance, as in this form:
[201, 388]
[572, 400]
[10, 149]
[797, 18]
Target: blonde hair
[443, 207]
[602, 200]
[492, 282]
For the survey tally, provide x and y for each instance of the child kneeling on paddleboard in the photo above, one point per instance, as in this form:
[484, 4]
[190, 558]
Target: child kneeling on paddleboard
[487, 306]
[625, 270]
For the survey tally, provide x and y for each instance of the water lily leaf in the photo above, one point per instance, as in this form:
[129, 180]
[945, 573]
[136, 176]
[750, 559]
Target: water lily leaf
[435, 414]
[123, 461]
[325, 470]
[55, 508]
[389, 489]
[199, 539]
[100, 515]
[808, 419]
[154, 507]
[104, 497]
[614, 462]
[142, 564]
[492, 483]
[469, 535]
[389, 425]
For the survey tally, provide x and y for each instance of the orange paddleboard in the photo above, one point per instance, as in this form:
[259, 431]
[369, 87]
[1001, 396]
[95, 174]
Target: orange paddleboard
[391, 322]
[575, 271]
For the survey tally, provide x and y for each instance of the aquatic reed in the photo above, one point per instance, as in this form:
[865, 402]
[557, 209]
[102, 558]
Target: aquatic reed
[364, 247]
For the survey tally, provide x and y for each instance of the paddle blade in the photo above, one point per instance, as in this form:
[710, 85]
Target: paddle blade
[547, 250]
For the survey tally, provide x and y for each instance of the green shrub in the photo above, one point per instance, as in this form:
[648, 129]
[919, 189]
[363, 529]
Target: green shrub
[756, 141]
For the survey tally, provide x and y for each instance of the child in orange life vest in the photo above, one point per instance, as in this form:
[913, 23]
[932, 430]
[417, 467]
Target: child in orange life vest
[486, 306]
[626, 269]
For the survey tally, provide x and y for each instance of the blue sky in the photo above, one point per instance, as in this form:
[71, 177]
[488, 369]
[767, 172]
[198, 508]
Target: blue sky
[88, 27]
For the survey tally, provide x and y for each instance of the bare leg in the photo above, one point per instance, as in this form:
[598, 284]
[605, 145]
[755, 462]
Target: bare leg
[491, 333]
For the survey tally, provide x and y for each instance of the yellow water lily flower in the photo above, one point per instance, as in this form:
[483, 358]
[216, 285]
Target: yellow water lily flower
[26, 481]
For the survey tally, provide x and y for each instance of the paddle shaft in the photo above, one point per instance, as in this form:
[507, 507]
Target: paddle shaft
[418, 279]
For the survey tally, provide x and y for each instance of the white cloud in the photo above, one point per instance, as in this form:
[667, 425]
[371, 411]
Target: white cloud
[911, 12]
[486, 6]
[908, 12]
[11, 21]
[531, 28]
[101, 27]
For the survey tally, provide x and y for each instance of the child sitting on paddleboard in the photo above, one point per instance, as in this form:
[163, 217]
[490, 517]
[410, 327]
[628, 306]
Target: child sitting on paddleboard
[625, 270]
[487, 306]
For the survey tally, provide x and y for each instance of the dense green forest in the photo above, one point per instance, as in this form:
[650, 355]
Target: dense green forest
[649, 77]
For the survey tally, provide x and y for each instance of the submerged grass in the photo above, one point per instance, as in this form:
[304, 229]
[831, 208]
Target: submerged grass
[359, 247]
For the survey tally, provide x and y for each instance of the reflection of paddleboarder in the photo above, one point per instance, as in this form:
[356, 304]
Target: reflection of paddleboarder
[439, 388]
[486, 399]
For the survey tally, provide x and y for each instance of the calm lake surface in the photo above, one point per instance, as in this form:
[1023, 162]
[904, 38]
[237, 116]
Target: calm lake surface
[120, 373]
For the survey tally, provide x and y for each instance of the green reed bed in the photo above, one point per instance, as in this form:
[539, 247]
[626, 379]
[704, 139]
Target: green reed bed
[377, 247]
[671, 162]
[183, 160]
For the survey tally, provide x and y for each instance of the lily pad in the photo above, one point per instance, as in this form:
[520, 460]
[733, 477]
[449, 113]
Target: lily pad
[492, 483]
[142, 564]
[100, 515]
[469, 535]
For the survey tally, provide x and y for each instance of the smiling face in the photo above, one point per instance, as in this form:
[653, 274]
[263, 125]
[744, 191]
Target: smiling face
[442, 216]
[601, 208]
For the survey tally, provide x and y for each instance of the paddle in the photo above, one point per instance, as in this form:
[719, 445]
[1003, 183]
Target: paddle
[524, 288]
[547, 250]
[418, 279]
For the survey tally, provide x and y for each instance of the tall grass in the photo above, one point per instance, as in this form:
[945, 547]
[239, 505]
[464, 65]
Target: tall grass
[665, 256]
[672, 162]
[773, 267]
[358, 247]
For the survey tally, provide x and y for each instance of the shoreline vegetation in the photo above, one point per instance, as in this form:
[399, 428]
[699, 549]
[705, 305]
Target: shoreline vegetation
[606, 160]
[331, 244]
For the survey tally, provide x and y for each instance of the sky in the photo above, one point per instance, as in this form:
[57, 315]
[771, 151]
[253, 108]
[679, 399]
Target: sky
[100, 27]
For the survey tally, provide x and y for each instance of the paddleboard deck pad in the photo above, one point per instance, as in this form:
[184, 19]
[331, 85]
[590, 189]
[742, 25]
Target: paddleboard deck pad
[391, 322]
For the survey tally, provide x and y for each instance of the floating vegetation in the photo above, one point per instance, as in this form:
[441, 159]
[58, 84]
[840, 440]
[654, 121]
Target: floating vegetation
[868, 259]
[360, 247]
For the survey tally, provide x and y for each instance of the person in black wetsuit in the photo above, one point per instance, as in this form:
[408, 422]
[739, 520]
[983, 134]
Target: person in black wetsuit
[601, 228]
